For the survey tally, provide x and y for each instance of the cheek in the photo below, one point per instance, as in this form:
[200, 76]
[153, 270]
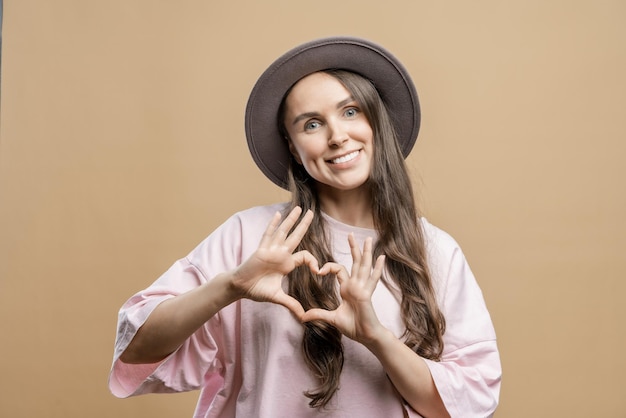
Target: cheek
[294, 152]
[366, 132]
[310, 150]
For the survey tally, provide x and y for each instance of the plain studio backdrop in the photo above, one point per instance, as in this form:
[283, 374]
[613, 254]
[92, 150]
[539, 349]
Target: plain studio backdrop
[122, 146]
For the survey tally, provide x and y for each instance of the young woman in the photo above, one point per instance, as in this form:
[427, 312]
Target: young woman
[343, 302]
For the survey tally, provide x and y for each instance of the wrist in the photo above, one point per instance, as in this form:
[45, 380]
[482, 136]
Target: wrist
[225, 289]
[380, 340]
[235, 280]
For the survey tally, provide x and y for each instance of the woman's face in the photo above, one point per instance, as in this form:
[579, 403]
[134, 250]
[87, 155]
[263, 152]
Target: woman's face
[328, 133]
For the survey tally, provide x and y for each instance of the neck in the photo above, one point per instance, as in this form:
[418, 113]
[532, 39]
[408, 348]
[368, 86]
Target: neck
[352, 207]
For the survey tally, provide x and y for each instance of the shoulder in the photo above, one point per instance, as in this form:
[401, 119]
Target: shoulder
[249, 222]
[446, 260]
[236, 238]
[437, 239]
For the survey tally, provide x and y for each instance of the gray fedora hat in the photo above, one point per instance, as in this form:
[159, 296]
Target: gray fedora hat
[269, 149]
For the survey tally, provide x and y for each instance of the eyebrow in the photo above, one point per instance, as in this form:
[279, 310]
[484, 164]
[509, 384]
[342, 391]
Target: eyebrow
[315, 114]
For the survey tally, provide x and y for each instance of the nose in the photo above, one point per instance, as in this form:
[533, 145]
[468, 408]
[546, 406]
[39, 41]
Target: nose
[337, 135]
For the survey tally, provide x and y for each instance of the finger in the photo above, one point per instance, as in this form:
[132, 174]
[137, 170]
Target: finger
[355, 250]
[306, 258]
[319, 314]
[334, 268]
[379, 267]
[298, 233]
[283, 229]
[365, 267]
[271, 228]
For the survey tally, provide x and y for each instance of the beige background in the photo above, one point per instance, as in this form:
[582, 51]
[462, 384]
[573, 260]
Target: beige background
[122, 146]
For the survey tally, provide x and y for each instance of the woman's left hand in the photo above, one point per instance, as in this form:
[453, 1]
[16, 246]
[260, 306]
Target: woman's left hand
[355, 317]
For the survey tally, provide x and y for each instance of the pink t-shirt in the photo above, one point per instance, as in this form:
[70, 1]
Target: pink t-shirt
[247, 359]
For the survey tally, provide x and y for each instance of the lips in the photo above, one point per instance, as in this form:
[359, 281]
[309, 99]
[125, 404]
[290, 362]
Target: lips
[344, 158]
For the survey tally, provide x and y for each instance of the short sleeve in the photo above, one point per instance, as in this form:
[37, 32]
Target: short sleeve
[469, 374]
[185, 369]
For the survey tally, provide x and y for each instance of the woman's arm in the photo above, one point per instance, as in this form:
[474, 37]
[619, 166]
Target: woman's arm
[258, 278]
[409, 373]
[355, 317]
[466, 382]
[175, 319]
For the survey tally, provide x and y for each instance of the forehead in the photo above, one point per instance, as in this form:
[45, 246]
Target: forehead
[313, 78]
[316, 88]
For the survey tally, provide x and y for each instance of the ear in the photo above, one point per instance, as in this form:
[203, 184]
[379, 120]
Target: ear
[293, 151]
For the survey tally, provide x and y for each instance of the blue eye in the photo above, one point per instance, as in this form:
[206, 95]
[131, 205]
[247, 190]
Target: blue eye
[311, 125]
[351, 112]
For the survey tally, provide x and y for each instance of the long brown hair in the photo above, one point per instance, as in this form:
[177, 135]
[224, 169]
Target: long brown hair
[400, 238]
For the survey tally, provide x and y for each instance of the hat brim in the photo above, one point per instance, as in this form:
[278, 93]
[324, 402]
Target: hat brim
[270, 151]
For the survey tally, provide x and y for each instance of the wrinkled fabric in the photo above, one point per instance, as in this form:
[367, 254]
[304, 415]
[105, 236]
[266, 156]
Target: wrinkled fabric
[247, 359]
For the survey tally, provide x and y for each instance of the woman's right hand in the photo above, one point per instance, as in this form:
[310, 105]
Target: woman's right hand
[260, 277]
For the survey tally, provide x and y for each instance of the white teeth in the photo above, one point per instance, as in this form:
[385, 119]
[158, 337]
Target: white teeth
[345, 158]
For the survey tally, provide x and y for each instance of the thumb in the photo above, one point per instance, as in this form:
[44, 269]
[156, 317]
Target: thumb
[319, 314]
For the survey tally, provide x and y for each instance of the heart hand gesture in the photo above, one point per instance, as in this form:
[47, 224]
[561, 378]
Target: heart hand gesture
[355, 317]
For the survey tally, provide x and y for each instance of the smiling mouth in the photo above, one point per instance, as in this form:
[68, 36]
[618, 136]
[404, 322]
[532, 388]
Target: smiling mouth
[345, 158]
